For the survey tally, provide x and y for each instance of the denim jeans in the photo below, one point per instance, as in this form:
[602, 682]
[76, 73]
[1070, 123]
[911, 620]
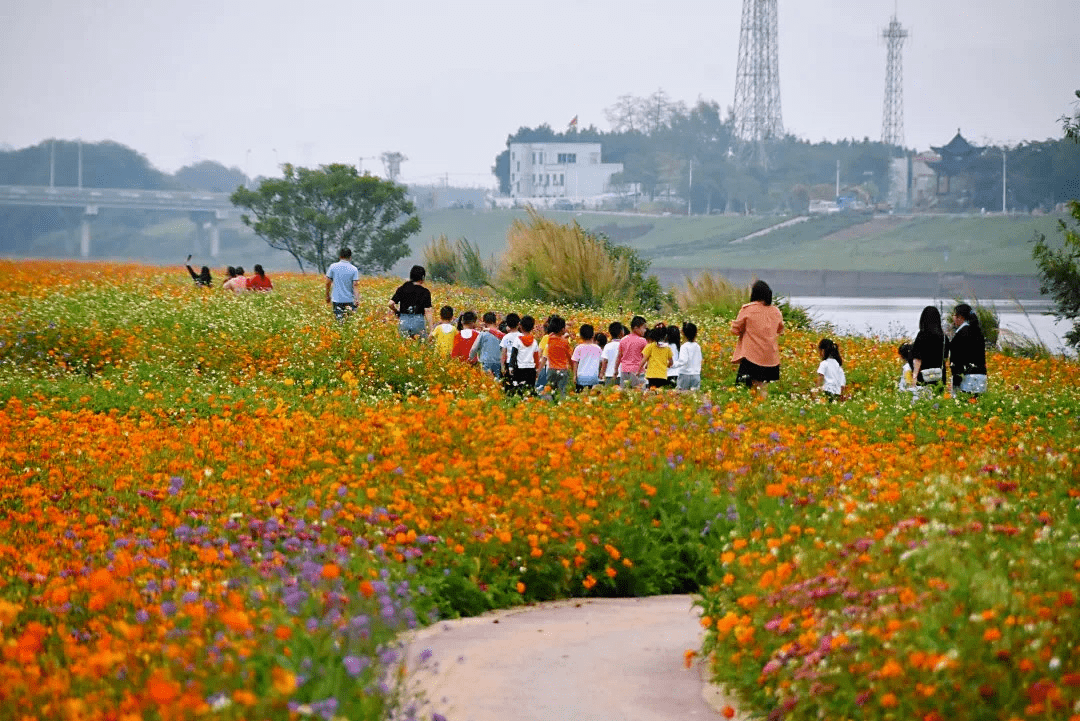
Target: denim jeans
[558, 379]
[411, 325]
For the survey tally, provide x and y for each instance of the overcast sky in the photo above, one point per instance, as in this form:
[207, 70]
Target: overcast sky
[254, 83]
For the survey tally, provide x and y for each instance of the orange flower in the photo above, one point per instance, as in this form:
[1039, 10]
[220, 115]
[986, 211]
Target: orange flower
[284, 681]
[331, 570]
[162, 691]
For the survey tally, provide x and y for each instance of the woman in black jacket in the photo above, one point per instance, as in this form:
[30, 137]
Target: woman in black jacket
[202, 278]
[967, 352]
[930, 348]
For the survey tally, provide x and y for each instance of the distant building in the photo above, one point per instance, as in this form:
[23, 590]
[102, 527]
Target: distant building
[559, 170]
[955, 186]
[912, 182]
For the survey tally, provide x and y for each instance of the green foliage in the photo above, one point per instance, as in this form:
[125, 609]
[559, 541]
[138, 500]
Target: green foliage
[312, 213]
[1059, 273]
[1071, 125]
[211, 176]
[795, 316]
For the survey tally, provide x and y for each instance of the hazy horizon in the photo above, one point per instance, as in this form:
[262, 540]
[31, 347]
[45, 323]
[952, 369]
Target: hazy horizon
[252, 85]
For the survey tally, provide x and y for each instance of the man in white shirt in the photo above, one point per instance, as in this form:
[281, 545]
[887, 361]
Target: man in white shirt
[342, 278]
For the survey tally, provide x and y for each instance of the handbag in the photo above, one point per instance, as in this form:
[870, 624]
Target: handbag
[931, 375]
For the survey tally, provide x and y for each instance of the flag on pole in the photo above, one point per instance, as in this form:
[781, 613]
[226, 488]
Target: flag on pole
[573, 123]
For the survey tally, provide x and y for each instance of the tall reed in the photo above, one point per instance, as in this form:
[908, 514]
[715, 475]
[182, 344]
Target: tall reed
[556, 262]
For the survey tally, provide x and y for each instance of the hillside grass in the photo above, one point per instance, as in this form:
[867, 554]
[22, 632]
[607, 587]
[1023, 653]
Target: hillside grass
[971, 244]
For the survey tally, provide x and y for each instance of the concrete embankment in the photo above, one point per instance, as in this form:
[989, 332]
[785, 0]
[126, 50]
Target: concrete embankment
[871, 284]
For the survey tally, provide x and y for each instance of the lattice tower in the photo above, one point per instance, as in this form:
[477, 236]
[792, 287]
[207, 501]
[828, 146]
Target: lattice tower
[757, 80]
[892, 117]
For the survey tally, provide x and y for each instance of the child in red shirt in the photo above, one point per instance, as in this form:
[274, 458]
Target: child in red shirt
[466, 336]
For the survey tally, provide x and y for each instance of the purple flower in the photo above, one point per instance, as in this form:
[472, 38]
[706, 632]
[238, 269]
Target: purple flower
[190, 597]
[176, 484]
[355, 664]
[168, 608]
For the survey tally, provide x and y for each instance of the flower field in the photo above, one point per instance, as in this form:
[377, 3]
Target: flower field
[229, 507]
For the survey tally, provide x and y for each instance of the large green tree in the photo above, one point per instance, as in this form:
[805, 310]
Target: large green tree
[313, 212]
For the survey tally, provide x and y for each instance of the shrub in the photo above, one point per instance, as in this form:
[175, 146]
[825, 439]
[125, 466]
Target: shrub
[459, 263]
[554, 262]
[710, 294]
[439, 260]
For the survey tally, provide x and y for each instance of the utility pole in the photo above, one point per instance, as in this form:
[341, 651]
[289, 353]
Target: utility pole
[757, 81]
[1003, 176]
[690, 188]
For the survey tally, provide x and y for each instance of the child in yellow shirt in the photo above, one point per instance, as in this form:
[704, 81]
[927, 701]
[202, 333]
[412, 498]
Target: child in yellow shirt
[443, 334]
[656, 358]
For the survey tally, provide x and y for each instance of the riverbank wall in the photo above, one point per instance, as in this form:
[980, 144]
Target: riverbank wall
[872, 284]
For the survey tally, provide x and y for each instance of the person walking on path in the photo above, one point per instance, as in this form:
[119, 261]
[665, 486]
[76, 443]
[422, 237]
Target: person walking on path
[967, 352]
[757, 351]
[412, 304]
[342, 278]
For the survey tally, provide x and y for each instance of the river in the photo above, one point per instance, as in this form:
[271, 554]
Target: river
[895, 318]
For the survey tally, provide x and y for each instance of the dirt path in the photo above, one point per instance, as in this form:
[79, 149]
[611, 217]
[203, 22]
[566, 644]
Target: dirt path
[579, 660]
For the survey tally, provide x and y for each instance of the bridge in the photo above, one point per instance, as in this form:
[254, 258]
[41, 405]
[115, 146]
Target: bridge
[216, 206]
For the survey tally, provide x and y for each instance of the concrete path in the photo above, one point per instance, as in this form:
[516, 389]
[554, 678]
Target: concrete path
[576, 660]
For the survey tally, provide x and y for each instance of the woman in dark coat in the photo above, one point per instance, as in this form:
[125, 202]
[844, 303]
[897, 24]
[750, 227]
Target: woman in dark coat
[930, 348]
[967, 352]
[202, 278]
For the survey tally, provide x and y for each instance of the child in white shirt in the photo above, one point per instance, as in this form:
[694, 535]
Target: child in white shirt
[907, 374]
[689, 360]
[609, 370]
[830, 374]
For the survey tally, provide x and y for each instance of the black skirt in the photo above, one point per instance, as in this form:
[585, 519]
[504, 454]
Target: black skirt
[749, 372]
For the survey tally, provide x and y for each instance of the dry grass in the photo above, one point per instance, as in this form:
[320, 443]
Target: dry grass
[555, 262]
[459, 262]
[710, 294]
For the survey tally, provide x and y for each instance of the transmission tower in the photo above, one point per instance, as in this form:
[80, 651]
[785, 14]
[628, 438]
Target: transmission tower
[757, 81]
[392, 163]
[892, 117]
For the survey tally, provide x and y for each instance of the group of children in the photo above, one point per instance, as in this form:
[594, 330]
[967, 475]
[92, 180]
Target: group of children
[528, 359]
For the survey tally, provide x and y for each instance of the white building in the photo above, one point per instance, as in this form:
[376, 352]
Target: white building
[559, 170]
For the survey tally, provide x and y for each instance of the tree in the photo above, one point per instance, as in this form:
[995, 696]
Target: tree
[1059, 273]
[210, 175]
[312, 213]
[1072, 125]
[1059, 269]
